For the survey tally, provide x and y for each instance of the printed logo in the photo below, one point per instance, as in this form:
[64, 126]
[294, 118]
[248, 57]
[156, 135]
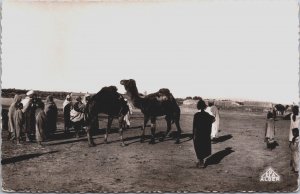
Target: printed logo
[270, 176]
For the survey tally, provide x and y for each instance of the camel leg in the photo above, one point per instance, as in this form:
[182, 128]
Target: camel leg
[146, 119]
[109, 122]
[153, 127]
[169, 126]
[89, 130]
[121, 124]
[178, 131]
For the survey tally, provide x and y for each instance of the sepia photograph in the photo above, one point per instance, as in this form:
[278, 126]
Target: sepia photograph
[149, 96]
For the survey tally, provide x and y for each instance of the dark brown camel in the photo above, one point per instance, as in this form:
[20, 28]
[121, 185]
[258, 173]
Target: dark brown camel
[153, 105]
[110, 102]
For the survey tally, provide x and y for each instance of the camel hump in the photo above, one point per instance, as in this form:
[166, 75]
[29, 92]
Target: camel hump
[109, 89]
[164, 91]
[163, 94]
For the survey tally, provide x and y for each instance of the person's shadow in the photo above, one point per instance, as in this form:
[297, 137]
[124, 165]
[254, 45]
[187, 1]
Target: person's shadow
[23, 157]
[218, 156]
[221, 138]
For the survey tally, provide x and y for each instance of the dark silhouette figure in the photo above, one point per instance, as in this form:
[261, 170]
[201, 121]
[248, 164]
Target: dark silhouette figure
[107, 101]
[153, 105]
[217, 157]
[202, 124]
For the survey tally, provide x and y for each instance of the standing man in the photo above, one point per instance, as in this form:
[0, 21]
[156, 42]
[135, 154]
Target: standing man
[215, 128]
[51, 116]
[67, 106]
[11, 117]
[127, 116]
[201, 133]
[27, 110]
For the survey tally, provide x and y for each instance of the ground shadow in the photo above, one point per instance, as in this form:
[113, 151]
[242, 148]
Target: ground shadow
[189, 137]
[52, 143]
[136, 138]
[217, 157]
[23, 157]
[272, 145]
[222, 138]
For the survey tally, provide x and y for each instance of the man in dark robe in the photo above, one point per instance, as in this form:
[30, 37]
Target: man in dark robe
[202, 133]
[67, 106]
[51, 116]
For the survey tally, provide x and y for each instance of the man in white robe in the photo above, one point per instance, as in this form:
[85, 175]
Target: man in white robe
[214, 111]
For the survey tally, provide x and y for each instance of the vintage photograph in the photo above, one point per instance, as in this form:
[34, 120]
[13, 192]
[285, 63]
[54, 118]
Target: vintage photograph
[149, 96]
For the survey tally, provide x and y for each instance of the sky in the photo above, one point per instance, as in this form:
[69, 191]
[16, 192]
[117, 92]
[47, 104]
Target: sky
[237, 49]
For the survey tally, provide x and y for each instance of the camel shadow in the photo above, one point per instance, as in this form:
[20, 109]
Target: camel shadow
[189, 137]
[218, 156]
[222, 138]
[23, 157]
[137, 139]
[173, 135]
[70, 136]
[52, 143]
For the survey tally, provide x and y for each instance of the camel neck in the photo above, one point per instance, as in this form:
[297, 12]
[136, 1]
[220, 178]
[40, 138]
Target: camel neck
[134, 93]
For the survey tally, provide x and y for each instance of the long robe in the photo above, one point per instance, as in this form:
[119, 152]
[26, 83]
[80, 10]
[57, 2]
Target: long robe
[28, 116]
[40, 124]
[77, 116]
[67, 106]
[19, 123]
[11, 113]
[51, 115]
[270, 128]
[201, 134]
[127, 116]
[215, 126]
[295, 154]
[294, 124]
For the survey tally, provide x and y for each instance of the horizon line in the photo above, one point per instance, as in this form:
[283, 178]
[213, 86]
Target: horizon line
[205, 98]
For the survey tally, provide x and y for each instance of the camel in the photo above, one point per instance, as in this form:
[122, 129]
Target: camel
[110, 102]
[161, 103]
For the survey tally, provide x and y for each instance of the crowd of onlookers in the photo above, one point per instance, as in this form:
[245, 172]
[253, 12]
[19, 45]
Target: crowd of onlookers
[32, 119]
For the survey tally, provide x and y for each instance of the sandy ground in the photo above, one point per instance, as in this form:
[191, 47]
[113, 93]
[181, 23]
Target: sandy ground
[69, 165]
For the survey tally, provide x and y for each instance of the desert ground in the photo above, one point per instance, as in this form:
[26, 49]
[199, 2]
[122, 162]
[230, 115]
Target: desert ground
[67, 164]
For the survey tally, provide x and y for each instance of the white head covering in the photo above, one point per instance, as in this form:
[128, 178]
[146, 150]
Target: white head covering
[30, 92]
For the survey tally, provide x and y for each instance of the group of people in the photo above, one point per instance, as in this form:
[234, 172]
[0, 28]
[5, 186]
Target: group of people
[270, 130]
[31, 117]
[206, 127]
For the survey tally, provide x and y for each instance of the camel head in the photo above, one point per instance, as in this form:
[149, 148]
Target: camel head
[130, 87]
